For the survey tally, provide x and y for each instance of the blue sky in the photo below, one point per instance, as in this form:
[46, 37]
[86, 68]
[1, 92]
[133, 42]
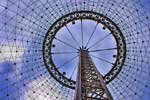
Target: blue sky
[20, 71]
[88, 28]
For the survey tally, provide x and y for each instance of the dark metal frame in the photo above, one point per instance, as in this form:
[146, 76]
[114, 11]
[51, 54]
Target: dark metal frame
[50, 35]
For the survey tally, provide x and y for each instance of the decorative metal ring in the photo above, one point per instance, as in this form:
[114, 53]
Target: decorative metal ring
[50, 35]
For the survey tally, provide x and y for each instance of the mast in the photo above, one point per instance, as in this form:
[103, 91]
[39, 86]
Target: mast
[90, 83]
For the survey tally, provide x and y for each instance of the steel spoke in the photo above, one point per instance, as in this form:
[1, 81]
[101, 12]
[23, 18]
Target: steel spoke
[92, 34]
[75, 67]
[63, 52]
[99, 41]
[72, 35]
[102, 49]
[102, 59]
[82, 33]
[66, 44]
[68, 61]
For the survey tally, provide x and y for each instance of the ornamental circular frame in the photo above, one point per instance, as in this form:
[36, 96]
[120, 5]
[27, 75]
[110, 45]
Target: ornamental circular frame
[50, 35]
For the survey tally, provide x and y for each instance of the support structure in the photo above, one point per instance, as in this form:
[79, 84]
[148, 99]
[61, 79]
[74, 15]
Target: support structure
[90, 83]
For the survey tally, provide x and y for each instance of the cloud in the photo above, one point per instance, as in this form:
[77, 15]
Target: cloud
[36, 90]
[40, 90]
[11, 51]
[44, 88]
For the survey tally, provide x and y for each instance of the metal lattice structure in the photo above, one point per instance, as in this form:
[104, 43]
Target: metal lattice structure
[23, 28]
[90, 83]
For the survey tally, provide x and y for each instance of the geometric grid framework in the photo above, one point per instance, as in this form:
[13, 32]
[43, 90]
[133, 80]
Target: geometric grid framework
[90, 83]
[72, 17]
[23, 25]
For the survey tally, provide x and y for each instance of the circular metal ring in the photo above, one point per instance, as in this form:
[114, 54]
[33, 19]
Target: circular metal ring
[50, 35]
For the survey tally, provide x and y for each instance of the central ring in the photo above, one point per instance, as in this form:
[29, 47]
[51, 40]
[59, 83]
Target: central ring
[71, 17]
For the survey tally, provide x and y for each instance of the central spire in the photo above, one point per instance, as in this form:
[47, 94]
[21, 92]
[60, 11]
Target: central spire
[90, 84]
[83, 49]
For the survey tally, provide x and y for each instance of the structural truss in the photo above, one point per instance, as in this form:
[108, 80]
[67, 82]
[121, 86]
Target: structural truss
[26, 71]
[90, 83]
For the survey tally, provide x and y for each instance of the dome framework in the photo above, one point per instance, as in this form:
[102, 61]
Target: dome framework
[24, 24]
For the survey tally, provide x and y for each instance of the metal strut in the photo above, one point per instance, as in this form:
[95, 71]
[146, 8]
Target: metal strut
[90, 83]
